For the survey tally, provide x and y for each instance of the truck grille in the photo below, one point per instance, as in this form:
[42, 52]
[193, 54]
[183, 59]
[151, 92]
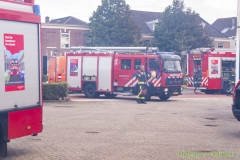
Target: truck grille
[174, 81]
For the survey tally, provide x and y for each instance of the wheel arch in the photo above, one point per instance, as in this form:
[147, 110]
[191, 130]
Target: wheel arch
[86, 83]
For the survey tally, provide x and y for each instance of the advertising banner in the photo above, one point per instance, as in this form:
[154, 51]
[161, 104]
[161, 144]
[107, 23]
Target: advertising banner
[74, 67]
[13, 61]
[214, 67]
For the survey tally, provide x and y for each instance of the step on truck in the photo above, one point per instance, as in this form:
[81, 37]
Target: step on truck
[112, 71]
[20, 89]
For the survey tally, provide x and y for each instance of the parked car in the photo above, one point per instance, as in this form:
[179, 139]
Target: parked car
[236, 101]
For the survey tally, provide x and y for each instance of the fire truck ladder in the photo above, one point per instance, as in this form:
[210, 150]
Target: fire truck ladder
[114, 50]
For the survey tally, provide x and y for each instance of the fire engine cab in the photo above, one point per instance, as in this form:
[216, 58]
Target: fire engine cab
[112, 71]
[210, 70]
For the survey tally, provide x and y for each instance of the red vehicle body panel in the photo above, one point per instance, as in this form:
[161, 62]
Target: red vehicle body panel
[23, 121]
[207, 82]
[19, 121]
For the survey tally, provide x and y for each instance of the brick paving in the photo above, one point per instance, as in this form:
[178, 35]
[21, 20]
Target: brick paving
[124, 130]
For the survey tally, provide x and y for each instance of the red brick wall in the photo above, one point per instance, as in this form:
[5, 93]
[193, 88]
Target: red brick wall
[51, 38]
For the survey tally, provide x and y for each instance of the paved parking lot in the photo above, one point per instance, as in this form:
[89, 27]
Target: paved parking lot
[104, 130]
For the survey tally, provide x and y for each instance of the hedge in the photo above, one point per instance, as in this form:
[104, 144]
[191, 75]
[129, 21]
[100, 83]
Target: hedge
[55, 91]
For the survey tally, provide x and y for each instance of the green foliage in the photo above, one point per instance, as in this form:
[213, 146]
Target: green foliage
[44, 78]
[54, 91]
[180, 29]
[112, 25]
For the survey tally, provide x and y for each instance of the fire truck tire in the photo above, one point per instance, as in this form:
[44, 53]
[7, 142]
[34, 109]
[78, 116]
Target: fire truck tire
[90, 91]
[3, 145]
[226, 88]
[110, 95]
[164, 97]
[148, 94]
[210, 92]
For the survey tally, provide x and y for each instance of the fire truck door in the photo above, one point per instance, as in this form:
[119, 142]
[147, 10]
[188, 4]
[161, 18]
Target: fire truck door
[125, 73]
[74, 71]
[154, 68]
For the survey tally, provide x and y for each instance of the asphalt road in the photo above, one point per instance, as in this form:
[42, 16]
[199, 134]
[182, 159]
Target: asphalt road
[171, 130]
[187, 94]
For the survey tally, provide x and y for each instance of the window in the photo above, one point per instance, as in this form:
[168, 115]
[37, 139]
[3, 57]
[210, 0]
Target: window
[137, 64]
[126, 64]
[220, 45]
[213, 45]
[171, 66]
[65, 40]
[154, 64]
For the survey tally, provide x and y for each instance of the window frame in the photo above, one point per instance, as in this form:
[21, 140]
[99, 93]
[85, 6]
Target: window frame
[63, 40]
[222, 45]
[139, 64]
[129, 66]
[155, 65]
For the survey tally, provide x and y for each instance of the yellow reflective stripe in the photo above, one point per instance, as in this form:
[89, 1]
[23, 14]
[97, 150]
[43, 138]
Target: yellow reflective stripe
[141, 82]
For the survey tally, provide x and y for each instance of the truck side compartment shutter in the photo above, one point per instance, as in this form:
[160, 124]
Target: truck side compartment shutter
[214, 67]
[28, 71]
[105, 73]
[74, 71]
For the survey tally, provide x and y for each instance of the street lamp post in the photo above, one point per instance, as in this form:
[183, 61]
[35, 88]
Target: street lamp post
[237, 78]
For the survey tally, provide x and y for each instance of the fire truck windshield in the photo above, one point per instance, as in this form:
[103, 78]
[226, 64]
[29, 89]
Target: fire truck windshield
[172, 66]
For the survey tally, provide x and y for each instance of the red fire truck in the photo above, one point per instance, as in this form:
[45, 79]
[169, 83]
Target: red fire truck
[112, 71]
[20, 96]
[210, 70]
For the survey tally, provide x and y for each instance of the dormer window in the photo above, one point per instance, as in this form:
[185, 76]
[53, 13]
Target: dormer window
[152, 24]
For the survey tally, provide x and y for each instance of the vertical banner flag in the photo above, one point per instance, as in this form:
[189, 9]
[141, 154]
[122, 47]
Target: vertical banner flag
[74, 67]
[214, 66]
[13, 62]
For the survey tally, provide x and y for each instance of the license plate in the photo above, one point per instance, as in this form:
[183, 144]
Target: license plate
[175, 93]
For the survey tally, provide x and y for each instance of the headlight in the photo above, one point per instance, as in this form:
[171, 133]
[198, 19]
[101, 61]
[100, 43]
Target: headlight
[165, 89]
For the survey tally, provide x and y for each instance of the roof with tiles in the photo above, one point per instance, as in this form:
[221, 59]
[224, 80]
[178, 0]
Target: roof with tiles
[147, 19]
[227, 26]
[69, 20]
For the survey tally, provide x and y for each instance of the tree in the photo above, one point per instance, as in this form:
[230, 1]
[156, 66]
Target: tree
[112, 25]
[180, 29]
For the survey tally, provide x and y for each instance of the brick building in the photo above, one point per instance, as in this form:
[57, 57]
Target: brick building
[59, 35]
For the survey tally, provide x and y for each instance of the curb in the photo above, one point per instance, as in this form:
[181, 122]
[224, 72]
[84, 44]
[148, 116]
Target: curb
[60, 100]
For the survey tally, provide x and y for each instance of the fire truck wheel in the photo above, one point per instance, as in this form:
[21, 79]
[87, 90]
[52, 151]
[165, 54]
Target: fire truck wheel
[209, 92]
[164, 97]
[3, 145]
[110, 95]
[148, 94]
[90, 91]
[226, 88]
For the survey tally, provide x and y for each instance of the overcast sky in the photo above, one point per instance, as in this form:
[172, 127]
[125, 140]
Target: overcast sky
[209, 10]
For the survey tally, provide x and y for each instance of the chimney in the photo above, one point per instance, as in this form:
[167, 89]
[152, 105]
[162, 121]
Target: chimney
[47, 19]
